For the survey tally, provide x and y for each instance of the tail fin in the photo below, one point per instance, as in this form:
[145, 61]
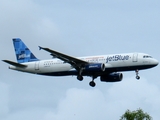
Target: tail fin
[23, 54]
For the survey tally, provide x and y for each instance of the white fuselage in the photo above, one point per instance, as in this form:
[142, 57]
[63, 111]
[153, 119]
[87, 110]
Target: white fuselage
[113, 63]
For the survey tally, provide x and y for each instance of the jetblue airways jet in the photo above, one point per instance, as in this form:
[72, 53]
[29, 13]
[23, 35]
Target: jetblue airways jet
[107, 67]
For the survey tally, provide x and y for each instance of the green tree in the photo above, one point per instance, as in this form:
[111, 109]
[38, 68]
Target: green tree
[135, 115]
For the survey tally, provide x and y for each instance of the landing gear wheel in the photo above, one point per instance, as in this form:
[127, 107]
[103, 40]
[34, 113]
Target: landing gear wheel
[92, 84]
[80, 77]
[137, 77]
[137, 72]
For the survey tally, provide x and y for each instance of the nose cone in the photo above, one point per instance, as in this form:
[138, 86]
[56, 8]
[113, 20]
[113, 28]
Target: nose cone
[155, 62]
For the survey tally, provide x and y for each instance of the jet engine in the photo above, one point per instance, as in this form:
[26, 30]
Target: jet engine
[112, 77]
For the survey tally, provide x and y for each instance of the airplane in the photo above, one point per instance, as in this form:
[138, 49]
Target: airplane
[107, 67]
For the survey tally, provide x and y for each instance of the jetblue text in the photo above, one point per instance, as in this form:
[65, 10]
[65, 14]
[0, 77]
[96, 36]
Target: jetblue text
[117, 58]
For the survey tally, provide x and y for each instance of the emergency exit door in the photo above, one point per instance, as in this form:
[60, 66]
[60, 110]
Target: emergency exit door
[135, 57]
[37, 65]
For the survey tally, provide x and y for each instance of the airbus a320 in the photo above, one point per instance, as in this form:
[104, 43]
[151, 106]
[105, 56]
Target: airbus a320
[107, 67]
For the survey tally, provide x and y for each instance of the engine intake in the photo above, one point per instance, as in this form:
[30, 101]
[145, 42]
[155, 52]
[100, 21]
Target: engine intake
[95, 67]
[112, 77]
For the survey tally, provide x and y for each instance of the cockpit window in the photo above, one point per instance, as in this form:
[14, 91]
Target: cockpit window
[146, 56]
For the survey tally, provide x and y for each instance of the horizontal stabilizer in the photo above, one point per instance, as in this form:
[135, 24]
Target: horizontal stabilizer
[14, 63]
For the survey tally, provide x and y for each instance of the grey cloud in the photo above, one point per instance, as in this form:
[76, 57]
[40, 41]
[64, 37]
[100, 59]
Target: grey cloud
[94, 104]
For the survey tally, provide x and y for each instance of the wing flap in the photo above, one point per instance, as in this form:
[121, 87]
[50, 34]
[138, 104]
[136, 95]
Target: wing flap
[14, 63]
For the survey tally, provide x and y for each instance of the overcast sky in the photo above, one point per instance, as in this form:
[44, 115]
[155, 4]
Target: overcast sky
[78, 28]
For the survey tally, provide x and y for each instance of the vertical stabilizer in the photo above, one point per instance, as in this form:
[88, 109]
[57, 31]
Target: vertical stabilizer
[23, 54]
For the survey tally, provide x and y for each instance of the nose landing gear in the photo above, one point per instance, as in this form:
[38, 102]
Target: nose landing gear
[137, 76]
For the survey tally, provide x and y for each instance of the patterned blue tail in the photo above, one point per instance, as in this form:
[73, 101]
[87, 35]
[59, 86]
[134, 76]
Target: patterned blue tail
[23, 54]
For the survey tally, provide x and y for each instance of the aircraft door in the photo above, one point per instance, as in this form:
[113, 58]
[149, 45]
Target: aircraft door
[135, 57]
[37, 65]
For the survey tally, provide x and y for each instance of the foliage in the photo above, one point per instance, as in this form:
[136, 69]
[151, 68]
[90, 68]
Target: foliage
[135, 115]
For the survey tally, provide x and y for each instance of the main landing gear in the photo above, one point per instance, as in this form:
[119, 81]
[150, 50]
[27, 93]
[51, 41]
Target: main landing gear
[92, 83]
[137, 76]
[80, 77]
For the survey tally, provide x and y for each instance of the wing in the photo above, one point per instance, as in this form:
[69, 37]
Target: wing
[75, 62]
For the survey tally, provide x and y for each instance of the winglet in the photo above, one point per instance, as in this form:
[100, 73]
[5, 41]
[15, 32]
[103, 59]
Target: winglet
[40, 47]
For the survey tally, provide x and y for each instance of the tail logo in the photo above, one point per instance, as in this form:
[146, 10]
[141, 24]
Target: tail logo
[22, 56]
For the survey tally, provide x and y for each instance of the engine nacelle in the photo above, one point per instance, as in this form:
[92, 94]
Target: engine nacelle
[112, 77]
[95, 67]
